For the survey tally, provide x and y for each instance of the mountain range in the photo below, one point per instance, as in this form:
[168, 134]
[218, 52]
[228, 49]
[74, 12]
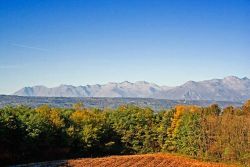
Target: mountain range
[230, 88]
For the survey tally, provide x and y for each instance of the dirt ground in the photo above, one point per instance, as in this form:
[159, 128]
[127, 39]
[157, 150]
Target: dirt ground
[148, 160]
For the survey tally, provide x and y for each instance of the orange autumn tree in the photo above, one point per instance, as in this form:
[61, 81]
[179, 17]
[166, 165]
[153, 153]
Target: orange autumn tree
[177, 122]
[246, 106]
[233, 140]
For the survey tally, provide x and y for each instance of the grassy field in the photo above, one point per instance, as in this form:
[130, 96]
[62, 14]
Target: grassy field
[148, 160]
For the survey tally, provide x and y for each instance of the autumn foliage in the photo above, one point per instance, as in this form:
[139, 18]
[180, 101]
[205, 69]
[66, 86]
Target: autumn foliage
[47, 133]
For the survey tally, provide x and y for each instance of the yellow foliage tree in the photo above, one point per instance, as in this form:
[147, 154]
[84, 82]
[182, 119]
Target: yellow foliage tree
[52, 115]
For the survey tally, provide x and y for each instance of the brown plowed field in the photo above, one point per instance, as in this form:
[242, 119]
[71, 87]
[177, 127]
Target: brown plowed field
[148, 160]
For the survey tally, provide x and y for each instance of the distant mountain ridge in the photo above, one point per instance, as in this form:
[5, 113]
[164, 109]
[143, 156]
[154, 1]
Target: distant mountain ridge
[230, 88]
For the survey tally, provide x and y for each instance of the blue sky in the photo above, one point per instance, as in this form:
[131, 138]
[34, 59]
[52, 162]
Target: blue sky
[168, 42]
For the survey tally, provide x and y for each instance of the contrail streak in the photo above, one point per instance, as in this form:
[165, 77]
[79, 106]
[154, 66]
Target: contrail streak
[28, 47]
[9, 67]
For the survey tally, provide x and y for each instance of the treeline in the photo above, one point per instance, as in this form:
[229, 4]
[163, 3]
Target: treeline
[46, 133]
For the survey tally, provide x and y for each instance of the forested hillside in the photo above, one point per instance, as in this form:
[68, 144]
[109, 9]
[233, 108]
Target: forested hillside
[46, 133]
[105, 102]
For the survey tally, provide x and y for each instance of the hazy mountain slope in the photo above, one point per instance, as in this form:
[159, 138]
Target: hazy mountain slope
[228, 89]
[123, 89]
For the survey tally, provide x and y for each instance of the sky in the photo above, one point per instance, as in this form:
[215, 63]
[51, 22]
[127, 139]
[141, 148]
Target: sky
[79, 42]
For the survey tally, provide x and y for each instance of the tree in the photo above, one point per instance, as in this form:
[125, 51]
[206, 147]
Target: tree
[175, 129]
[246, 106]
